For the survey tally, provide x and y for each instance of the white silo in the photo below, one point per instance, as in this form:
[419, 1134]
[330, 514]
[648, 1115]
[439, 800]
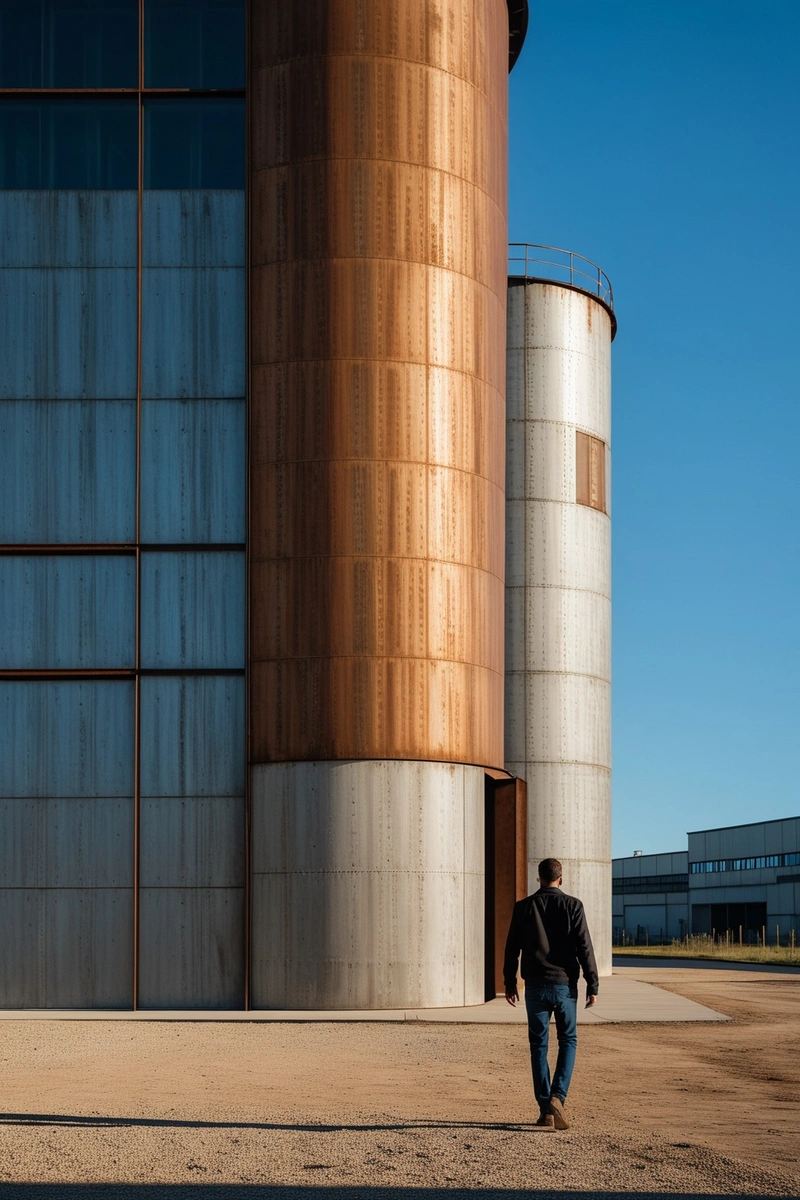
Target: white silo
[558, 568]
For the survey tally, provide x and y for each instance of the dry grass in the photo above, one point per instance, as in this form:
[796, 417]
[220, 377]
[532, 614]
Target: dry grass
[702, 946]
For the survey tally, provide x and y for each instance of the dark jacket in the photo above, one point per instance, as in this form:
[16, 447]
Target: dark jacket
[550, 929]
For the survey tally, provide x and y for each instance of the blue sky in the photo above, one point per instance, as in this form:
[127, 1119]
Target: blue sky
[662, 140]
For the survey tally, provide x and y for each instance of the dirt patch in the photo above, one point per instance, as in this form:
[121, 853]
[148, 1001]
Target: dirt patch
[689, 1108]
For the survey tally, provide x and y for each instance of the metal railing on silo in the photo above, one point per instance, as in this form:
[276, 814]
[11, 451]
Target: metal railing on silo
[529, 261]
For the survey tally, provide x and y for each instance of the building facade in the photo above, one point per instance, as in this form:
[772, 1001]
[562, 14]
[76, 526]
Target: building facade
[650, 894]
[740, 881]
[253, 282]
[122, 503]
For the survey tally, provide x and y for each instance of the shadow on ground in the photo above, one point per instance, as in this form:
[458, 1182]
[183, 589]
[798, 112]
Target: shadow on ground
[191, 1191]
[101, 1122]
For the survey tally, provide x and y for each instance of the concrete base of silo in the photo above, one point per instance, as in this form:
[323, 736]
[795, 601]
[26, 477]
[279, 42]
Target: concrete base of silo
[368, 885]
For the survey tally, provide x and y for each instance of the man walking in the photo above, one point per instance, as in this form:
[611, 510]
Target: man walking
[550, 929]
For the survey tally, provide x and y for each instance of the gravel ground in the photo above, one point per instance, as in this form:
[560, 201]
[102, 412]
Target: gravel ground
[225, 1111]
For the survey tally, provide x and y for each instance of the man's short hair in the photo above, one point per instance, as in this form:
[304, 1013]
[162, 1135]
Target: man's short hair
[549, 870]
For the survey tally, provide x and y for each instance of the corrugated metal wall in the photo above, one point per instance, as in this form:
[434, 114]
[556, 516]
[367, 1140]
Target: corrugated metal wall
[66, 847]
[68, 438]
[69, 397]
[192, 601]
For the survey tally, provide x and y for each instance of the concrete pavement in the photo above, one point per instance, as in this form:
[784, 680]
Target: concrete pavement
[622, 999]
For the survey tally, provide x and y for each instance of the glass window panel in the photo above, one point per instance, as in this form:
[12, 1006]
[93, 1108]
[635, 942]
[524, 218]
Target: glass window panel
[67, 611]
[194, 144]
[192, 735]
[69, 43]
[193, 471]
[195, 43]
[61, 143]
[197, 228]
[84, 485]
[192, 609]
[193, 332]
[66, 738]
[68, 333]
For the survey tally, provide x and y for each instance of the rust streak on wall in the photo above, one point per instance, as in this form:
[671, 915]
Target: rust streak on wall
[378, 284]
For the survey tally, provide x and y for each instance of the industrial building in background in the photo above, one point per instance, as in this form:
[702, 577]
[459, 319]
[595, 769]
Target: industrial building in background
[740, 882]
[269, 497]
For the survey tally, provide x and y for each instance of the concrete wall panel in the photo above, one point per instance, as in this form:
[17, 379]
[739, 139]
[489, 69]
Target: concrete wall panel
[22, 916]
[23, 845]
[68, 228]
[192, 609]
[193, 471]
[193, 332]
[89, 843]
[68, 333]
[89, 948]
[66, 738]
[380, 905]
[84, 487]
[192, 736]
[67, 843]
[65, 611]
[200, 227]
[67, 948]
[191, 948]
[192, 842]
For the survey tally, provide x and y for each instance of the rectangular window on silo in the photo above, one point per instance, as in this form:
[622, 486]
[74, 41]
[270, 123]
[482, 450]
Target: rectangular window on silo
[590, 471]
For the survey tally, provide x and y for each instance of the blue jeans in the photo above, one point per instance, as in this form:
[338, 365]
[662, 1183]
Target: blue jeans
[541, 1000]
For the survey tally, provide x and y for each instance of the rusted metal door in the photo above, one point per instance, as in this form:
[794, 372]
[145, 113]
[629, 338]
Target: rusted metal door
[506, 868]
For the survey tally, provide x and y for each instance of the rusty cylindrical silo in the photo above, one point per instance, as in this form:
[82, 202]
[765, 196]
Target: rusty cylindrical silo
[378, 168]
[558, 569]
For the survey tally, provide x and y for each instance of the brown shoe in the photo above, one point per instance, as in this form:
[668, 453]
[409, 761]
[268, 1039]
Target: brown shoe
[556, 1109]
[545, 1120]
